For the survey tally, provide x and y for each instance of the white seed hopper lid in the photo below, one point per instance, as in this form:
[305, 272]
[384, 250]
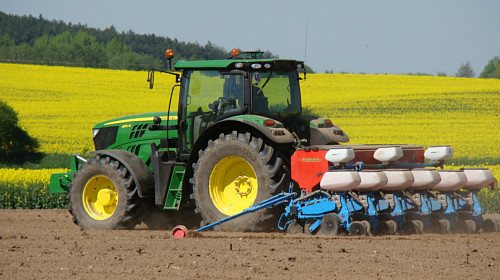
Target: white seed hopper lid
[438, 153]
[341, 155]
[388, 154]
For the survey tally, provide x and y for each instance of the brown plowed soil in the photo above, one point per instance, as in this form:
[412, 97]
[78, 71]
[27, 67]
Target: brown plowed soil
[45, 244]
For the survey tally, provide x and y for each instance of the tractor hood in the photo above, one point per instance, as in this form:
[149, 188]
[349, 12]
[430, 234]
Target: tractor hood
[132, 133]
[147, 117]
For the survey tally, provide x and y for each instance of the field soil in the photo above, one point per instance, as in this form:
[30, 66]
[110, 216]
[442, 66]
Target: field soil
[45, 244]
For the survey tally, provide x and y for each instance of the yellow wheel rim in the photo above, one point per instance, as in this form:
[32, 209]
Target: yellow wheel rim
[233, 185]
[100, 197]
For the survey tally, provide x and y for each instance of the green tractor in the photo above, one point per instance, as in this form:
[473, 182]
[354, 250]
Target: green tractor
[227, 147]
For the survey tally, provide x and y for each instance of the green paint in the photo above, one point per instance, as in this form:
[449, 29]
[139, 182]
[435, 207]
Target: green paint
[174, 192]
[59, 182]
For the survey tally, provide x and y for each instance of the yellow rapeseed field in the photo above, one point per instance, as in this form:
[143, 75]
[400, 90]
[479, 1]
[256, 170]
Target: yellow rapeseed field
[27, 177]
[413, 110]
[59, 106]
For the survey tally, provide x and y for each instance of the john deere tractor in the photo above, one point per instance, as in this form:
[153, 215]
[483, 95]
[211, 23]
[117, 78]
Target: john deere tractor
[227, 147]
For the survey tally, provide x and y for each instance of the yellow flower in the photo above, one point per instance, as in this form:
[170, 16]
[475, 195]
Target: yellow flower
[60, 105]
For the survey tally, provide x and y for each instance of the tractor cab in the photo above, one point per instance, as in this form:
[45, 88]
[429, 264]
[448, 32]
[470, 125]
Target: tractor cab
[268, 87]
[244, 84]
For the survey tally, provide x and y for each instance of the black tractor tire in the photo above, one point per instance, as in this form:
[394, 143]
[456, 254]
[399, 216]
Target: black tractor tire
[224, 183]
[103, 195]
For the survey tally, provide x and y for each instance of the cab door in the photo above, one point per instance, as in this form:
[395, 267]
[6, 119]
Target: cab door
[205, 96]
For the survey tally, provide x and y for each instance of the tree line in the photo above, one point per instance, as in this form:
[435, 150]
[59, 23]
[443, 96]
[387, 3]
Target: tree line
[37, 40]
[491, 70]
[80, 49]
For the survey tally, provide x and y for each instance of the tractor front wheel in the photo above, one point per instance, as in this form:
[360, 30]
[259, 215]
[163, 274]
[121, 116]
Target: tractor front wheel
[234, 172]
[104, 195]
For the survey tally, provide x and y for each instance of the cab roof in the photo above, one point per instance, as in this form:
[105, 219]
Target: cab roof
[232, 64]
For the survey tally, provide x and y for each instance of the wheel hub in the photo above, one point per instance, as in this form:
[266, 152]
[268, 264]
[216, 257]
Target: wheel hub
[104, 197]
[243, 186]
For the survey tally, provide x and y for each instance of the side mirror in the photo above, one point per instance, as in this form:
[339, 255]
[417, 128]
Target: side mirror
[151, 78]
[156, 120]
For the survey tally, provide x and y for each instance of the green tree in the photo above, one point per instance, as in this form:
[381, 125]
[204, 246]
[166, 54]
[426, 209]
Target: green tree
[86, 51]
[15, 143]
[492, 69]
[5, 41]
[6, 45]
[465, 71]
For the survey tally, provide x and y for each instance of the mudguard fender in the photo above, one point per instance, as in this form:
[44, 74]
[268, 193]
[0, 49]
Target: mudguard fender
[139, 170]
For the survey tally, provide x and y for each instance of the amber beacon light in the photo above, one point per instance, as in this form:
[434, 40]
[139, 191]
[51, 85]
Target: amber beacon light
[235, 52]
[169, 53]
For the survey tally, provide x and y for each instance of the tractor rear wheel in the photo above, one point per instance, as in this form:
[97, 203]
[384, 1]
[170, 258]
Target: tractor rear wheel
[234, 172]
[104, 195]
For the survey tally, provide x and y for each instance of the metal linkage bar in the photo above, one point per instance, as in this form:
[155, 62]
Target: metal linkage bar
[360, 166]
[270, 202]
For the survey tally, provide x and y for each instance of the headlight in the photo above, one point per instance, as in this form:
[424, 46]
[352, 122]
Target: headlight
[94, 132]
[104, 137]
